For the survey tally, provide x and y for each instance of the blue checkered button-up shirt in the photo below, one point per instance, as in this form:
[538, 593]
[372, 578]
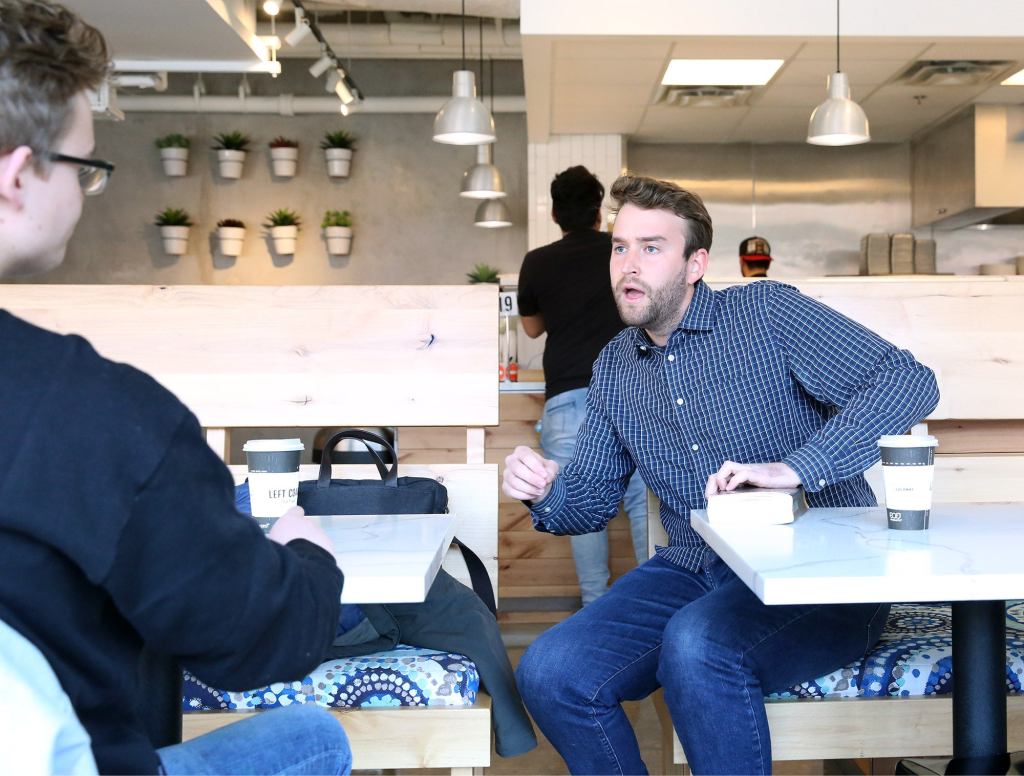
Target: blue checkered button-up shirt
[755, 374]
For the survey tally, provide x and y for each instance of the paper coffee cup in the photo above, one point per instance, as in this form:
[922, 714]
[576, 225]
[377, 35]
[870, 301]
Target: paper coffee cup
[273, 475]
[908, 466]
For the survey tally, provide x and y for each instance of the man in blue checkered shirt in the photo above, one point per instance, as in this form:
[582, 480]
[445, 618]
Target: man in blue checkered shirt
[705, 390]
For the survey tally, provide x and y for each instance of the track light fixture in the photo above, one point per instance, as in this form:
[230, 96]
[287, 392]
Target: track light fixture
[301, 31]
[321, 66]
[338, 79]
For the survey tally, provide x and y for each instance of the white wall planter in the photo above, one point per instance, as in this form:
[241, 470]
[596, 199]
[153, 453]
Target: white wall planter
[175, 161]
[284, 239]
[338, 161]
[284, 161]
[230, 163]
[339, 240]
[175, 239]
[231, 239]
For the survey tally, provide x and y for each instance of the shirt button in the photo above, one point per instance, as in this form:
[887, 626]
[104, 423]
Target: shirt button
[671, 357]
[695, 448]
[821, 483]
[680, 401]
[547, 509]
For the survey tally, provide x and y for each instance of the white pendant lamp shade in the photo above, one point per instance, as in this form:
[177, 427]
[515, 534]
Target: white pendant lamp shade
[839, 120]
[464, 120]
[483, 180]
[492, 214]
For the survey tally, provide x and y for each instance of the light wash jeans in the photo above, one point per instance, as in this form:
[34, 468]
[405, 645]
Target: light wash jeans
[299, 739]
[563, 416]
[708, 641]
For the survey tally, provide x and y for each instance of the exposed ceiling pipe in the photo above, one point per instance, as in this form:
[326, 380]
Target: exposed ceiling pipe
[505, 9]
[289, 105]
[441, 40]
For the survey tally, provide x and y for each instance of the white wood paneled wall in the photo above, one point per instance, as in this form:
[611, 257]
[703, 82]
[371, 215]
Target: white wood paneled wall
[603, 155]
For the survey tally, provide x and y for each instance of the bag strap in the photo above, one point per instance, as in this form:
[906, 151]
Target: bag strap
[388, 475]
[478, 576]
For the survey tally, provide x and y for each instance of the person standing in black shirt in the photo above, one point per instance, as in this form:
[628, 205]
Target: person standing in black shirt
[564, 290]
[128, 543]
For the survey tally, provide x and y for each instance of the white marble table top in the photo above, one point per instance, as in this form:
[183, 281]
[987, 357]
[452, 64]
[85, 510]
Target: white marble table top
[970, 552]
[388, 558]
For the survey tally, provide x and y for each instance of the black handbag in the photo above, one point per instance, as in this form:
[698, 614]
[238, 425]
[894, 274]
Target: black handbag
[390, 495]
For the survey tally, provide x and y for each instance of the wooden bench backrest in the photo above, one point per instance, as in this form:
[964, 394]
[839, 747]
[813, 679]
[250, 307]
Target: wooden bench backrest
[305, 356]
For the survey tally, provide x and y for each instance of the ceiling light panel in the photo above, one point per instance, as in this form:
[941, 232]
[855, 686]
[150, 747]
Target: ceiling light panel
[720, 72]
[1017, 79]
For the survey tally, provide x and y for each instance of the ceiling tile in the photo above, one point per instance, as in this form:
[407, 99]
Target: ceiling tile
[726, 48]
[772, 125]
[689, 125]
[613, 48]
[975, 48]
[881, 48]
[789, 96]
[862, 72]
[601, 73]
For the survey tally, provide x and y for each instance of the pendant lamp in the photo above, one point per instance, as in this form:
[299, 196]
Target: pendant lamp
[839, 120]
[483, 180]
[463, 120]
[492, 214]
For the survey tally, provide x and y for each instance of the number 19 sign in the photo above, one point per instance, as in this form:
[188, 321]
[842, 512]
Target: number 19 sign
[508, 303]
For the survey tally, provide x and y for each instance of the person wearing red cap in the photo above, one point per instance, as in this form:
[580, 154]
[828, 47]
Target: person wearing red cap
[755, 257]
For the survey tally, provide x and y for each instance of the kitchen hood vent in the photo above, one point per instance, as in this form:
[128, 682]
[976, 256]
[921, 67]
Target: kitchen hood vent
[704, 96]
[955, 72]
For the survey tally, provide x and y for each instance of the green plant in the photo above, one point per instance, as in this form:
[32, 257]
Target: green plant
[173, 140]
[338, 139]
[336, 218]
[282, 217]
[234, 223]
[231, 141]
[483, 273]
[173, 216]
[283, 142]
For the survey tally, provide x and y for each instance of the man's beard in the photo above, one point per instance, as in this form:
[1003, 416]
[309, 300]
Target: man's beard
[661, 308]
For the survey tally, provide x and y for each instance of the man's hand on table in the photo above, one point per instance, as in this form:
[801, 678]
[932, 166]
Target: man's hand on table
[528, 475]
[761, 475]
[294, 524]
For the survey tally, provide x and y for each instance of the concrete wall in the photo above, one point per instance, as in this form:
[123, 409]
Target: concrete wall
[410, 224]
[812, 204]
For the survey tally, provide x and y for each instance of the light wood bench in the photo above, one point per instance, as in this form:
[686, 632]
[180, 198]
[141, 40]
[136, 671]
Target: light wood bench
[969, 331]
[311, 357]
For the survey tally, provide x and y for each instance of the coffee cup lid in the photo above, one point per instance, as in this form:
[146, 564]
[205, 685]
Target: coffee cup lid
[908, 440]
[272, 445]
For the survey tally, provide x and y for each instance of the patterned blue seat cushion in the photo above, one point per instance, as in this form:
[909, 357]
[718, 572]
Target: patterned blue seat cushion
[405, 676]
[913, 657]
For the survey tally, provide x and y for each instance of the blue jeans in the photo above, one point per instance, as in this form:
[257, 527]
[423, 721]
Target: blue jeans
[299, 739]
[704, 637]
[563, 415]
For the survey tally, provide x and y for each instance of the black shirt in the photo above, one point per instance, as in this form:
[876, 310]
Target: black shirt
[568, 283]
[118, 528]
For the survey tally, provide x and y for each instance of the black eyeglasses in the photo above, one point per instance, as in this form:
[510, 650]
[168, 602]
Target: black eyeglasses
[93, 174]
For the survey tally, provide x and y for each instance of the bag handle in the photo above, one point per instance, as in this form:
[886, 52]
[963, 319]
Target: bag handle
[388, 475]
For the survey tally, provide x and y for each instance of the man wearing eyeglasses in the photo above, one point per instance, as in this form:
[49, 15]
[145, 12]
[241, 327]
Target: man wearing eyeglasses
[135, 547]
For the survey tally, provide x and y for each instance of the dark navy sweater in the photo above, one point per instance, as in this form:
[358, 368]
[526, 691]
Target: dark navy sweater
[118, 529]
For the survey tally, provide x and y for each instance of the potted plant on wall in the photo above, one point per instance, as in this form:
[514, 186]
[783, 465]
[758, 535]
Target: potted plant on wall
[174, 153]
[337, 226]
[231, 148]
[284, 156]
[230, 235]
[284, 230]
[338, 147]
[174, 223]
